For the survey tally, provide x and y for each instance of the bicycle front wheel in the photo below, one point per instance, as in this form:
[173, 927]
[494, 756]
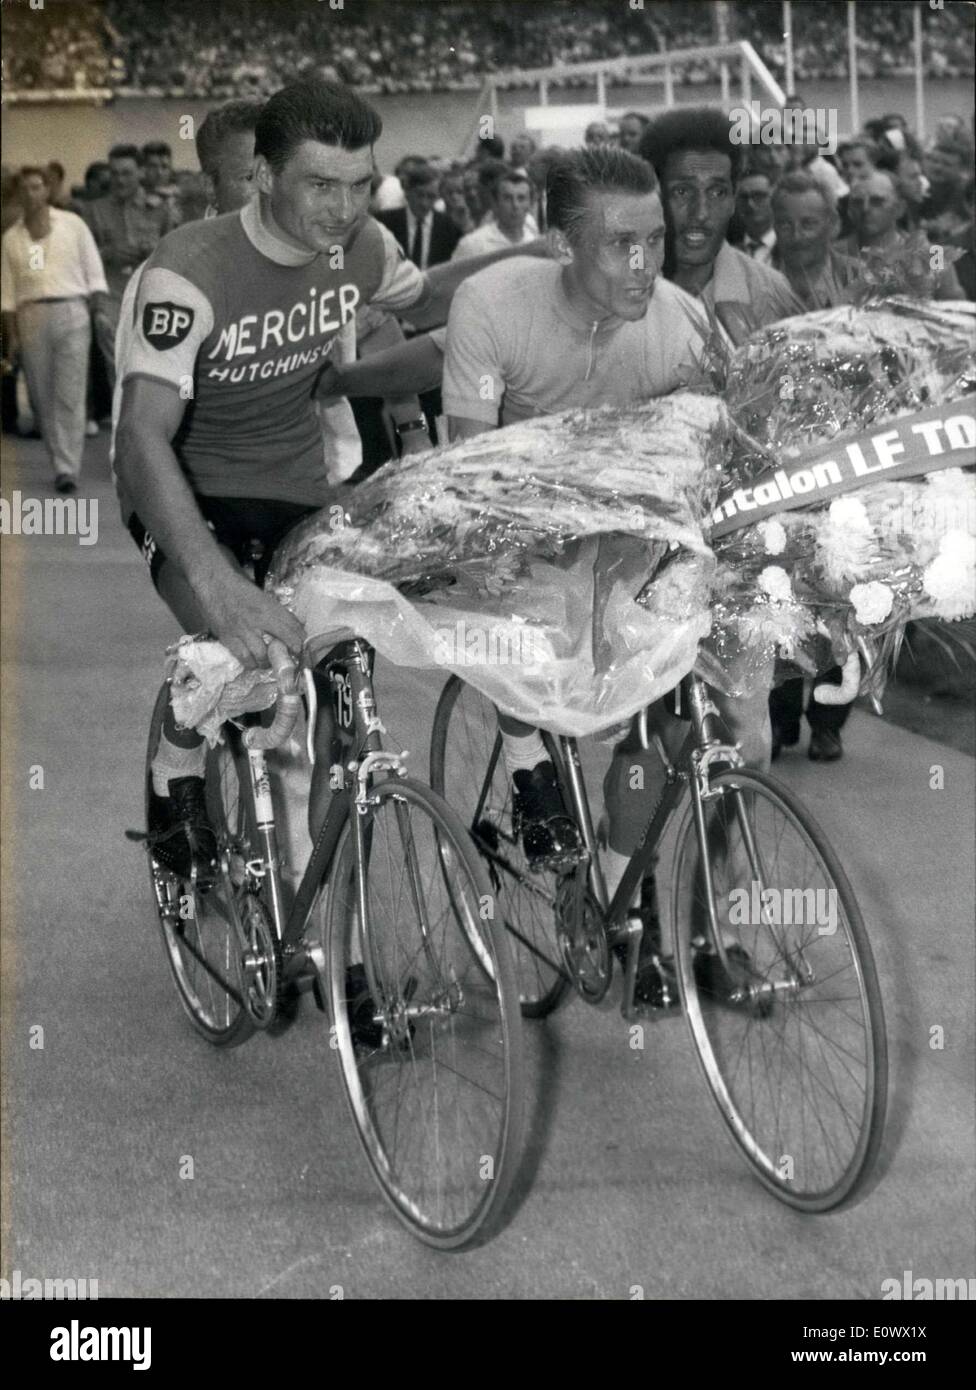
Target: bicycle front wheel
[467, 768]
[789, 1030]
[206, 930]
[429, 1040]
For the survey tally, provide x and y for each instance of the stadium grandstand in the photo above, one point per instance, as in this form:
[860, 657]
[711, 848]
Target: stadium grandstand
[218, 50]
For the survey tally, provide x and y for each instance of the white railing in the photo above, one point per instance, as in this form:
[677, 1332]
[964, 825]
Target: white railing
[652, 67]
[48, 96]
[664, 68]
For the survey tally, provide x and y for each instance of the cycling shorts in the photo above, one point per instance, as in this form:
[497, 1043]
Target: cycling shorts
[251, 527]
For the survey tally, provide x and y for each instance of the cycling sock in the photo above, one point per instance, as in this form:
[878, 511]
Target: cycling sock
[523, 753]
[173, 761]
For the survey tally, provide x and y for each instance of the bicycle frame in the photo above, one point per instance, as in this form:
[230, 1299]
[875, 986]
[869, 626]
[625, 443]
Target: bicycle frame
[357, 750]
[690, 769]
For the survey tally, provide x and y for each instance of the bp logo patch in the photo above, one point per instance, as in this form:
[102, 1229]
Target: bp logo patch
[165, 325]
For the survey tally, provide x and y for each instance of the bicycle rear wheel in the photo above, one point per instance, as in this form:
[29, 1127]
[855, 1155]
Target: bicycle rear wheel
[468, 770]
[796, 1057]
[204, 928]
[429, 1042]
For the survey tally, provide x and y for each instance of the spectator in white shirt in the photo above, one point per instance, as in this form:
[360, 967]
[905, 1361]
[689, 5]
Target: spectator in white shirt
[387, 193]
[51, 281]
[510, 202]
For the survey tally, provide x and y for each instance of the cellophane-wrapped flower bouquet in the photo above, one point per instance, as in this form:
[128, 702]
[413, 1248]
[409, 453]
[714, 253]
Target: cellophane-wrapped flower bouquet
[810, 585]
[563, 566]
[515, 558]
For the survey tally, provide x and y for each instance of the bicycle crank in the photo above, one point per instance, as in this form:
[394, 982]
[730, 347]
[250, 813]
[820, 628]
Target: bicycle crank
[261, 962]
[582, 937]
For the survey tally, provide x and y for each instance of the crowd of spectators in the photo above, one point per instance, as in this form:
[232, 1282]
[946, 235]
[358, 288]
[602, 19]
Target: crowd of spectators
[232, 48]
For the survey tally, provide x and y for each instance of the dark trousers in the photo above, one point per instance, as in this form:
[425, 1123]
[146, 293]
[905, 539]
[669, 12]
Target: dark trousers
[433, 407]
[786, 707]
[377, 448]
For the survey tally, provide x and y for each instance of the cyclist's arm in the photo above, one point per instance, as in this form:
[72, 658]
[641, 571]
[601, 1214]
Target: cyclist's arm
[157, 352]
[409, 367]
[238, 613]
[433, 306]
[402, 403]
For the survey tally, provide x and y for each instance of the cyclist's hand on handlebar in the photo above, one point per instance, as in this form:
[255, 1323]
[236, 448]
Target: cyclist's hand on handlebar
[240, 614]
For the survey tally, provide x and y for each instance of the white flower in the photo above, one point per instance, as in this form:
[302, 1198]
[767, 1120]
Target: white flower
[950, 579]
[872, 602]
[774, 536]
[846, 538]
[849, 513]
[775, 582]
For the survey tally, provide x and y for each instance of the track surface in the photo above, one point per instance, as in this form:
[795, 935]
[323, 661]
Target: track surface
[628, 1180]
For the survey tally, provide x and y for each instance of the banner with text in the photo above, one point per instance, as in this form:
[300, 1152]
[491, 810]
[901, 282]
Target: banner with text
[941, 437]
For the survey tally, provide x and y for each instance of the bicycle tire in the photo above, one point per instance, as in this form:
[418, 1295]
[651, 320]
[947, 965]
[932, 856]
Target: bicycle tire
[422, 986]
[780, 995]
[219, 1018]
[527, 899]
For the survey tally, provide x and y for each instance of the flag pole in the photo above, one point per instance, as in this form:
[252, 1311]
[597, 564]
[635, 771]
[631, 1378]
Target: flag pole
[852, 64]
[919, 72]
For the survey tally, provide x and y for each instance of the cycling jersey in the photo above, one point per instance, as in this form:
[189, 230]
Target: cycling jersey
[240, 324]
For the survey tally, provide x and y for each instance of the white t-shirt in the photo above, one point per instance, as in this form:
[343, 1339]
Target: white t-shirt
[518, 348]
[485, 239]
[62, 265]
[389, 194]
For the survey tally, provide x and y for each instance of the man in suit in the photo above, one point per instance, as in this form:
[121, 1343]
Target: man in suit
[754, 232]
[427, 237]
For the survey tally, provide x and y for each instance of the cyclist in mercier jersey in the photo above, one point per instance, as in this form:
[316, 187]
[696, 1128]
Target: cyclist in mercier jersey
[218, 443]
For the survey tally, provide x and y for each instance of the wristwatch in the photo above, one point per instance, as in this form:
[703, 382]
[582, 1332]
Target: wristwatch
[409, 426]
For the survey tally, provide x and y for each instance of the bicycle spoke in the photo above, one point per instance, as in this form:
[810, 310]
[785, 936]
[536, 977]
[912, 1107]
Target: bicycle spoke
[469, 770]
[790, 1060]
[432, 1101]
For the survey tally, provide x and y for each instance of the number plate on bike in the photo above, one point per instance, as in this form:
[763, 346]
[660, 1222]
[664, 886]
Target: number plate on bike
[342, 696]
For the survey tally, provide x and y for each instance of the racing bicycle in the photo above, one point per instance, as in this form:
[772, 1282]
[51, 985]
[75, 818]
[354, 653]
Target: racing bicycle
[427, 1030]
[792, 1042]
